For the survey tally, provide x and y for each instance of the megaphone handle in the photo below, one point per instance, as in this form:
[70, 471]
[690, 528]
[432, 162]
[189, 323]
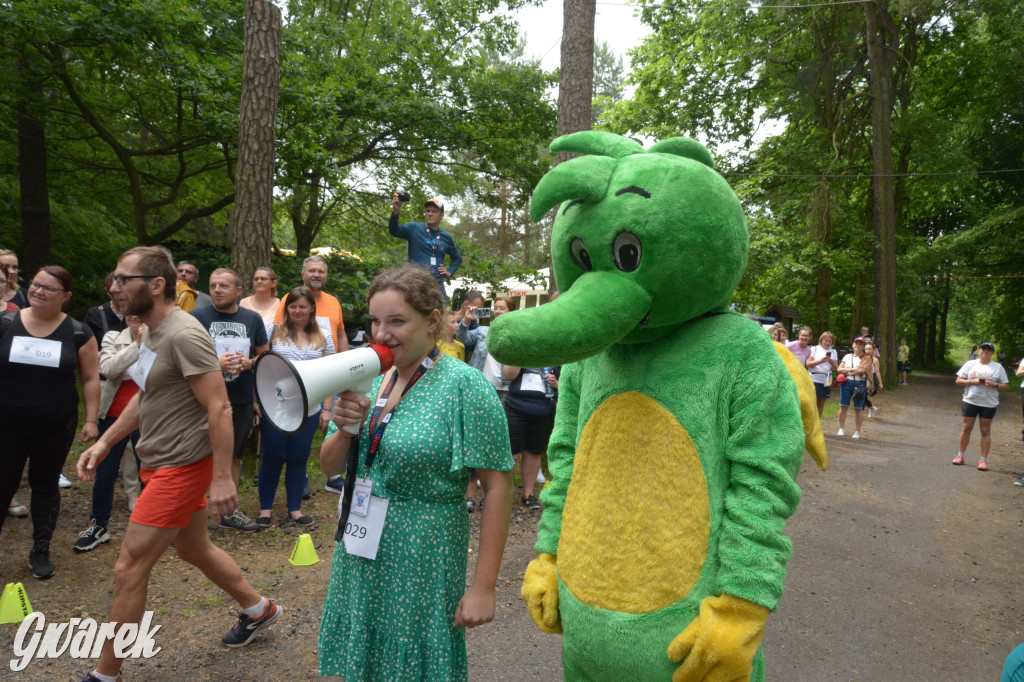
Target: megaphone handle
[351, 468]
[359, 389]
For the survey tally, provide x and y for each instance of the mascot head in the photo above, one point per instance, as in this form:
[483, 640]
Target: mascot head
[643, 242]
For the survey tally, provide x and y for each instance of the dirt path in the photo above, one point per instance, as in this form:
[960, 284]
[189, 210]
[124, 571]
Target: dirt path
[904, 568]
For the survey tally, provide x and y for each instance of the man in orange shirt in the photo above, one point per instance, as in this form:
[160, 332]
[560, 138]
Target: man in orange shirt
[328, 310]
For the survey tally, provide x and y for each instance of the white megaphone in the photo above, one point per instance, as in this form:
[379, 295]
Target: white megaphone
[286, 390]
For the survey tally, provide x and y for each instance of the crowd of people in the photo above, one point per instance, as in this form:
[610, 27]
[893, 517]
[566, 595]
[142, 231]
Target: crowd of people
[169, 392]
[168, 387]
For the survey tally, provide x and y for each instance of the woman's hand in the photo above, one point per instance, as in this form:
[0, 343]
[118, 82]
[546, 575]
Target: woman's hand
[552, 380]
[470, 316]
[475, 608]
[350, 409]
[90, 432]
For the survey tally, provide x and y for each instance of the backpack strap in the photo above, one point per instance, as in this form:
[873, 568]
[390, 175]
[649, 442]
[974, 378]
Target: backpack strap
[103, 320]
[82, 333]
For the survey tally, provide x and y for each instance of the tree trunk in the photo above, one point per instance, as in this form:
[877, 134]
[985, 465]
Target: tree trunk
[933, 317]
[921, 341]
[576, 84]
[943, 315]
[35, 199]
[858, 306]
[882, 39]
[252, 219]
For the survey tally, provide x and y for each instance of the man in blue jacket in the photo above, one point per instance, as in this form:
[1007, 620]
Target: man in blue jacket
[428, 243]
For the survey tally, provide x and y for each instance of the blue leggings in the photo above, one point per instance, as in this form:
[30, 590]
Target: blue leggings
[106, 473]
[280, 449]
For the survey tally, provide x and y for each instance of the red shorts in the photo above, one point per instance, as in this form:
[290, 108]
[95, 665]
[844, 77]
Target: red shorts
[173, 494]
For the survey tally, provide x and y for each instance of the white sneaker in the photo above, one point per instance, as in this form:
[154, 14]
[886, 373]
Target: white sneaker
[856, 434]
[840, 432]
[63, 482]
[874, 411]
[540, 477]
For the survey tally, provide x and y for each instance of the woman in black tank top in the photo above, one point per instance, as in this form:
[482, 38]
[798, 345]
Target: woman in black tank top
[40, 348]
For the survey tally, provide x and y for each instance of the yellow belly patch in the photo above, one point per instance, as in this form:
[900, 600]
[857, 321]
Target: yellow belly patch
[637, 518]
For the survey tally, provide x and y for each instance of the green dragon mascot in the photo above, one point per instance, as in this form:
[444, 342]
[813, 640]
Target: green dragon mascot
[678, 434]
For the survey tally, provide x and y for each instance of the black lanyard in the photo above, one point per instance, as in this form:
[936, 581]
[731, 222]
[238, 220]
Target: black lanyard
[377, 429]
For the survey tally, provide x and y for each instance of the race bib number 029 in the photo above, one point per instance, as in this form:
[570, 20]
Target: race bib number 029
[362, 533]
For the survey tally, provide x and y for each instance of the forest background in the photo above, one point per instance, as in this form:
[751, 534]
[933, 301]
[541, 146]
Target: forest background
[119, 125]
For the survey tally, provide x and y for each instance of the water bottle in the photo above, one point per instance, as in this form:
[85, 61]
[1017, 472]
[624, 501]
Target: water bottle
[549, 392]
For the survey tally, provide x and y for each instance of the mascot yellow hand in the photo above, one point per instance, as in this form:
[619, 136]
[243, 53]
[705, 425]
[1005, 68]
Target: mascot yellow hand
[540, 592]
[719, 645]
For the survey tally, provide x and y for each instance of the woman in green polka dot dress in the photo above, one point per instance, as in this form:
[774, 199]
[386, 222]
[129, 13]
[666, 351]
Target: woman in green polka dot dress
[402, 615]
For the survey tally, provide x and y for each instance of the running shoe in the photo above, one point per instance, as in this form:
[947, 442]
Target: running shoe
[239, 521]
[246, 627]
[856, 434]
[958, 460]
[540, 476]
[63, 482]
[39, 562]
[531, 502]
[1019, 482]
[335, 484]
[17, 511]
[91, 538]
[89, 677]
[982, 465]
[840, 432]
[470, 504]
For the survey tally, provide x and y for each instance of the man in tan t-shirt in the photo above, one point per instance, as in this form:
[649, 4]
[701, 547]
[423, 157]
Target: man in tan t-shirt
[184, 416]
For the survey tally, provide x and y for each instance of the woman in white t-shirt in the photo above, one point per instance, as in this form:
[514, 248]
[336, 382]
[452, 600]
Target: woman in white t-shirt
[982, 379]
[857, 377]
[822, 361]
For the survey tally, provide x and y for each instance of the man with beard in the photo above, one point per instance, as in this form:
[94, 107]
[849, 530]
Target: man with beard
[183, 413]
[239, 336]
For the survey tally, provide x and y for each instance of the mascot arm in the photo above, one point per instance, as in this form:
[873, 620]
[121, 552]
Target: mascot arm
[720, 643]
[764, 449]
[540, 592]
[561, 451]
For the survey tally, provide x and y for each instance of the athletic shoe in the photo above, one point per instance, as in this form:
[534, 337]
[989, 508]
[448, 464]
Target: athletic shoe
[470, 504]
[247, 627]
[89, 677]
[982, 465]
[335, 484]
[856, 434]
[39, 562]
[1019, 482]
[531, 502]
[840, 432]
[540, 476]
[17, 511]
[91, 538]
[874, 411]
[63, 482]
[958, 460]
[239, 521]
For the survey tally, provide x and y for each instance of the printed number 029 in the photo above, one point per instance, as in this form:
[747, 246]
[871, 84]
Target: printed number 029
[355, 531]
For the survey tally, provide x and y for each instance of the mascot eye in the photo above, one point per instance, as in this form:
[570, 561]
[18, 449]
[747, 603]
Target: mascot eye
[580, 255]
[626, 251]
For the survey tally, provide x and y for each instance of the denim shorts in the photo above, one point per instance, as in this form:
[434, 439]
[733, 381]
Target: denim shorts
[846, 393]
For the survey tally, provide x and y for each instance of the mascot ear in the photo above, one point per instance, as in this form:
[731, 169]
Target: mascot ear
[597, 143]
[585, 177]
[684, 146]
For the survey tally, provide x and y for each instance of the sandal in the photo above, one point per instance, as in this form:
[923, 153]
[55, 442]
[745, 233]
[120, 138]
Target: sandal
[982, 465]
[17, 511]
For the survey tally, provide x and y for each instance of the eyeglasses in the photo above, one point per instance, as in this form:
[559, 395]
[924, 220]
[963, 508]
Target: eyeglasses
[119, 280]
[45, 288]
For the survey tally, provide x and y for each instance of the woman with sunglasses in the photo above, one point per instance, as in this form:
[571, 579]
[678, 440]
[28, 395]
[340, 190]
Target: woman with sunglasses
[40, 349]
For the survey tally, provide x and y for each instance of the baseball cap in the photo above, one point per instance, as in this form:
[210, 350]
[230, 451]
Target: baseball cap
[859, 339]
[436, 202]
[988, 344]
